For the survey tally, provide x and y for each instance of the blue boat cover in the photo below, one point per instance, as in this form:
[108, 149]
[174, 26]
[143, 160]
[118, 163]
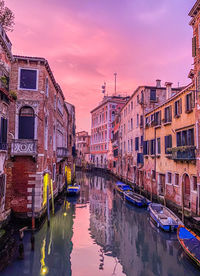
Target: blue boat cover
[191, 242]
[185, 234]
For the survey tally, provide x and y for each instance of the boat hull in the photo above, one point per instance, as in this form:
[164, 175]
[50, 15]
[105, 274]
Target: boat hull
[140, 203]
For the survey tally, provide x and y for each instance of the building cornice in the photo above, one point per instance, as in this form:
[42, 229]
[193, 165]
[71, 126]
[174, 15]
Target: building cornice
[195, 9]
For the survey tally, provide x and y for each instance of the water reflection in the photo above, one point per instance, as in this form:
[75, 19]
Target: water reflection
[98, 234]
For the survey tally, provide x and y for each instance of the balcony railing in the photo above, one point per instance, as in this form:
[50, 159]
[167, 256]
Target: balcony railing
[186, 153]
[24, 147]
[62, 152]
[3, 146]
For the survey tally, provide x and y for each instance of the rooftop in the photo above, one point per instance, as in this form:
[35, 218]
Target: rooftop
[195, 9]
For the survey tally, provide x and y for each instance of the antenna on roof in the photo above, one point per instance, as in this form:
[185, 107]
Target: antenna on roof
[115, 74]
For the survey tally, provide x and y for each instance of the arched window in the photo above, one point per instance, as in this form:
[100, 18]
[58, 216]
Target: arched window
[26, 123]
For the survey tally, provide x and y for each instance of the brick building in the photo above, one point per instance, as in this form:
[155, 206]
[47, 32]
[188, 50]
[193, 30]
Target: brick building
[6, 59]
[38, 124]
[82, 148]
[102, 118]
[132, 127]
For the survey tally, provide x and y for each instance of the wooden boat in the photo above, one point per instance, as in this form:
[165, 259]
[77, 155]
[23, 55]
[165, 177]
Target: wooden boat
[190, 243]
[164, 217]
[121, 187]
[73, 190]
[135, 199]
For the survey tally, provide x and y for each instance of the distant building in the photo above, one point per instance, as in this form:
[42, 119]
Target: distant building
[82, 148]
[132, 126]
[6, 59]
[102, 118]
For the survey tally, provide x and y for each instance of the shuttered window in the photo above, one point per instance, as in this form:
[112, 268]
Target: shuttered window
[178, 108]
[185, 138]
[168, 114]
[168, 143]
[146, 147]
[153, 95]
[136, 143]
[194, 46]
[152, 146]
[3, 133]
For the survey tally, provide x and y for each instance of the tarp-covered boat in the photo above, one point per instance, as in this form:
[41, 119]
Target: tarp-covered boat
[164, 217]
[73, 190]
[190, 243]
[135, 199]
[121, 187]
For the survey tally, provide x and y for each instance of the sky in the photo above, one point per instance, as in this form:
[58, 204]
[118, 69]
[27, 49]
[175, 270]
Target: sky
[87, 41]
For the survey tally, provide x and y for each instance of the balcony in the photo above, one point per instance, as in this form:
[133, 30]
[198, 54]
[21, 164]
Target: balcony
[185, 153]
[3, 146]
[62, 152]
[24, 147]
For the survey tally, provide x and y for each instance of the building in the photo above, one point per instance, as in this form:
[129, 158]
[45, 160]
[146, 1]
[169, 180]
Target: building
[71, 137]
[102, 118]
[38, 125]
[170, 151]
[195, 76]
[82, 148]
[132, 125]
[6, 59]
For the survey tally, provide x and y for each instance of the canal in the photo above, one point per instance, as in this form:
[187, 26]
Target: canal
[99, 234]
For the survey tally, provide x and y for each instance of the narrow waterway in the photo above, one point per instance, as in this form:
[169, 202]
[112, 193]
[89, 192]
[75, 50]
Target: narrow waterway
[99, 234]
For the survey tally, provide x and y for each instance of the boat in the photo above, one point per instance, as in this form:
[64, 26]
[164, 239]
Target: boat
[73, 190]
[135, 199]
[190, 243]
[164, 217]
[121, 187]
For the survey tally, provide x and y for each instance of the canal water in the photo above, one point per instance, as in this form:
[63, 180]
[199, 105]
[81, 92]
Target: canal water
[99, 234]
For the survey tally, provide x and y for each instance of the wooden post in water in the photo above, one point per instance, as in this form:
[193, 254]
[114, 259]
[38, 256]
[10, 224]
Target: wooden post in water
[182, 194]
[33, 208]
[48, 211]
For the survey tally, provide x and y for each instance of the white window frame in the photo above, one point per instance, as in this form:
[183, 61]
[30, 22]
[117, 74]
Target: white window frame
[19, 76]
[192, 181]
[47, 87]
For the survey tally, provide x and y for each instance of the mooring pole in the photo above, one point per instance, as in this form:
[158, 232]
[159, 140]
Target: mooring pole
[48, 213]
[33, 208]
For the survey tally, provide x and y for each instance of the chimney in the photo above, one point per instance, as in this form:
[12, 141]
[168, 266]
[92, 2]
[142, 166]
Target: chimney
[168, 90]
[158, 83]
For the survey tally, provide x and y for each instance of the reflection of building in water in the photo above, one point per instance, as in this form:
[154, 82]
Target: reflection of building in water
[142, 248]
[52, 246]
[83, 180]
[101, 208]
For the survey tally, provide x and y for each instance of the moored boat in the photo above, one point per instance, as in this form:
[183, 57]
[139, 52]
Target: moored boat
[190, 243]
[135, 199]
[164, 217]
[73, 190]
[121, 187]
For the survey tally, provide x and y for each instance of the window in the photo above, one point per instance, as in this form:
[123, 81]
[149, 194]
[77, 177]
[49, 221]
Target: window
[152, 147]
[132, 105]
[141, 141]
[153, 95]
[176, 178]
[194, 182]
[168, 143]
[142, 97]
[185, 138]
[26, 123]
[194, 46]
[146, 121]
[157, 118]
[178, 108]
[128, 146]
[141, 121]
[28, 79]
[158, 147]
[168, 114]
[146, 147]
[189, 104]
[136, 143]
[169, 178]
[131, 124]
[47, 87]
[60, 107]
[54, 172]
[153, 173]
[3, 133]
[131, 145]
[46, 133]
[54, 102]
[138, 99]
[137, 120]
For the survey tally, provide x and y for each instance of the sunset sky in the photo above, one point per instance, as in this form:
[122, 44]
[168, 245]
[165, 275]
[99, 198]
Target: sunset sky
[86, 41]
